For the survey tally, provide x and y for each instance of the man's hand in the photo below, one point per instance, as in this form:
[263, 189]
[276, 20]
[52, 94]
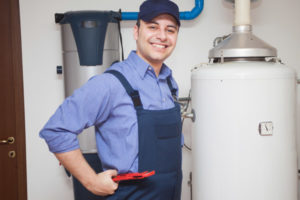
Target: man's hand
[99, 184]
[103, 184]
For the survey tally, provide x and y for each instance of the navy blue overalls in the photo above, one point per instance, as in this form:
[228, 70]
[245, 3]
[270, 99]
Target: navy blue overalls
[159, 149]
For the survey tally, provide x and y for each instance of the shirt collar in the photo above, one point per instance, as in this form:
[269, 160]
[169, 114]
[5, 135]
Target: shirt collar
[164, 72]
[142, 66]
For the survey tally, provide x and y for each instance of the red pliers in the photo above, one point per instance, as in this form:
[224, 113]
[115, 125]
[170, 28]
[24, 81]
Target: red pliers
[133, 176]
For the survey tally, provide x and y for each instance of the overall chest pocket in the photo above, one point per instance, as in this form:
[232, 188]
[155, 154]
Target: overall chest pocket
[168, 144]
[166, 131]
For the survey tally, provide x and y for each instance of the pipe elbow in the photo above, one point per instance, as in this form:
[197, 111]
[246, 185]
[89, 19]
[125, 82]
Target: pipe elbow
[195, 12]
[188, 15]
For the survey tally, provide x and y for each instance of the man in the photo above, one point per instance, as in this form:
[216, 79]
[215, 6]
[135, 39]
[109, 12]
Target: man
[137, 121]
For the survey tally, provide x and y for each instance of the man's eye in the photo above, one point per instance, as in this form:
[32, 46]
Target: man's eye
[152, 27]
[171, 30]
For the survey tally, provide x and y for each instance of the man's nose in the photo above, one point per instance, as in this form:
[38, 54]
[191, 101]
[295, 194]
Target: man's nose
[162, 35]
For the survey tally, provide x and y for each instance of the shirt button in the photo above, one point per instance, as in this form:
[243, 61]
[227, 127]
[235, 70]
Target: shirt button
[149, 68]
[164, 99]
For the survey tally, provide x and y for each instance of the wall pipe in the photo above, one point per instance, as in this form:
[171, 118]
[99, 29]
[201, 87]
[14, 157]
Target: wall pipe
[186, 15]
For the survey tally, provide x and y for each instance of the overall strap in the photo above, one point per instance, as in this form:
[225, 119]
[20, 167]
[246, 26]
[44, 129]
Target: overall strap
[173, 90]
[134, 94]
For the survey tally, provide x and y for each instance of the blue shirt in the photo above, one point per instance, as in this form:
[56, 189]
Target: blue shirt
[103, 102]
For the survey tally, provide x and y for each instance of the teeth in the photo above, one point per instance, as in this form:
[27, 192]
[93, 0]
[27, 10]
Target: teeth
[159, 46]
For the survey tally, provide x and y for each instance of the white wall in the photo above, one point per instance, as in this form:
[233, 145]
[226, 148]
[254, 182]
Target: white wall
[275, 21]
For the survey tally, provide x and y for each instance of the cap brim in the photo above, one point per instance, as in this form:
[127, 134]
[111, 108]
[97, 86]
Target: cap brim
[151, 16]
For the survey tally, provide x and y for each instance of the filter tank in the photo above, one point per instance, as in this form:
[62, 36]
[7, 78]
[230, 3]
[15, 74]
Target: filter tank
[96, 47]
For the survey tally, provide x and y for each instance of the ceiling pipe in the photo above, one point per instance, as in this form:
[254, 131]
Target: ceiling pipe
[186, 15]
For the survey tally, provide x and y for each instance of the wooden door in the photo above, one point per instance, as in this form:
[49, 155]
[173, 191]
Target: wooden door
[12, 156]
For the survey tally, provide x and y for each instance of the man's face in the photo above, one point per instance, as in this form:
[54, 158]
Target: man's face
[156, 39]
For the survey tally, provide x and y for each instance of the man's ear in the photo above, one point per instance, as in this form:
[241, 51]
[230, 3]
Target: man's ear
[136, 32]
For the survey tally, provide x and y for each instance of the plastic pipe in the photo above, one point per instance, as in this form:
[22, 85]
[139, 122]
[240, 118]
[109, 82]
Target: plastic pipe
[189, 15]
[186, 15]
[242, 12]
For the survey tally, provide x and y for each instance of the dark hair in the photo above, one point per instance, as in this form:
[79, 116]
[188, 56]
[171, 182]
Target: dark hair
[138, 23]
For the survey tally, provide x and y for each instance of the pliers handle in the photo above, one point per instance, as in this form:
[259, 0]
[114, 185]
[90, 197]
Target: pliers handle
[133, 176]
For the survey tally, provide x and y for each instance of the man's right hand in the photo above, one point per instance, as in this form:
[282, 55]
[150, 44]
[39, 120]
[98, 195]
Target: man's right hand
[99, 184]
[103, 184]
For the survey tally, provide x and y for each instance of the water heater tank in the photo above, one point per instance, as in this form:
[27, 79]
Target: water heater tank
[244, 145]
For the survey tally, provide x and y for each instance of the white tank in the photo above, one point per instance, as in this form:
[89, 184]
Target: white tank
[244, 145]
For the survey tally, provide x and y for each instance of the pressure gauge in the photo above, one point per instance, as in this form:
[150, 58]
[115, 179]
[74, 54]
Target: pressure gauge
[265, 128]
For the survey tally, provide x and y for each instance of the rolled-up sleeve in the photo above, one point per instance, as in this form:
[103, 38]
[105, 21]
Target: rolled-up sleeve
[89, 105]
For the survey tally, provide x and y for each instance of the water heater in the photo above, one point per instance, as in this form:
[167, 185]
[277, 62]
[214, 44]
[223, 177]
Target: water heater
[244, 143]
[90, 41]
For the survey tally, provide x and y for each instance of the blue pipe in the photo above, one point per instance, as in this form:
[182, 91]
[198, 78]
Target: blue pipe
[129, 15]
[186, 15]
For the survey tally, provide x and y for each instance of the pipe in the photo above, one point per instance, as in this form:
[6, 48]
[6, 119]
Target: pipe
[242, 12]
[189, 15]
[186, 15]
[129, 15]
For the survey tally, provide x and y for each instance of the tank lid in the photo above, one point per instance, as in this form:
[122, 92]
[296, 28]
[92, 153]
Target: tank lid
[241, 44]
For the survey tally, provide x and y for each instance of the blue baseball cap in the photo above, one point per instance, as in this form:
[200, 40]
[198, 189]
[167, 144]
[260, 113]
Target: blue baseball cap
[150, 9]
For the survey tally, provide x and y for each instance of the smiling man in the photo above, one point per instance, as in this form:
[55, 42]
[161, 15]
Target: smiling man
[156, 33]
[136, 117]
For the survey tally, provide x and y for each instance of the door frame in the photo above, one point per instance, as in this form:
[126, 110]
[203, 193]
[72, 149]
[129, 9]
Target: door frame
[19, 114]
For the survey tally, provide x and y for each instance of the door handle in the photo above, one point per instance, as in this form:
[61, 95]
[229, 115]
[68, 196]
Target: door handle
[9, 140]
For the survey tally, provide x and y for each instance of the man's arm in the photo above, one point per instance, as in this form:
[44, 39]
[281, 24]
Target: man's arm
[99, 184]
